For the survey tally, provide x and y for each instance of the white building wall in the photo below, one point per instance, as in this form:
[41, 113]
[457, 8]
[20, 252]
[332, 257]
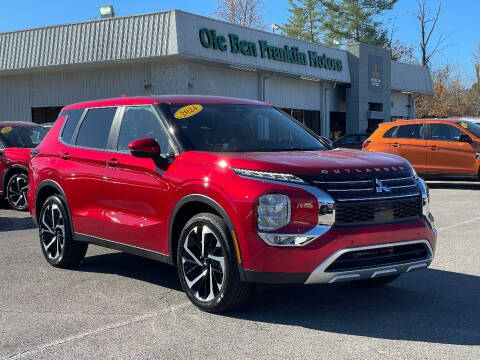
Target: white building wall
[293, 93]
[220, 81]
[399, 105]
[19, 93]
[15, 98]
[337, 99]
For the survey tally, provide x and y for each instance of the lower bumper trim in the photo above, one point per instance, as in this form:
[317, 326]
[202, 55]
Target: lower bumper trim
[320, 275]
[261, 277]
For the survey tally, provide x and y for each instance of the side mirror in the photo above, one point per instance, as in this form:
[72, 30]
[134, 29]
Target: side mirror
[465, 138]
[145, 148]
[326, 141]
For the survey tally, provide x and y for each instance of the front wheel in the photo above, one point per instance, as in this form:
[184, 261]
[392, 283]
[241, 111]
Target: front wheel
[56, 236]
[207, 267]
[17, 188]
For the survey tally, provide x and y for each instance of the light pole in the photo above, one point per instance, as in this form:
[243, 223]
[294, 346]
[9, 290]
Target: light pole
[275, 27]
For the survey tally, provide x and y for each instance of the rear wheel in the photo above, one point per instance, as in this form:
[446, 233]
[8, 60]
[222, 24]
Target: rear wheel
[17, 187]
[56, 237]
[380, 281]
[207, 267]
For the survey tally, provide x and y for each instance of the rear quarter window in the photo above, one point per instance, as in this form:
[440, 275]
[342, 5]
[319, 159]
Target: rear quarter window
[389, 133]
[73, 118]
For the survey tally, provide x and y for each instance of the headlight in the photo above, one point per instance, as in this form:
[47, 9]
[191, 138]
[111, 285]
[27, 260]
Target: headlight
[273, 211]
[426, 202]
[268, 175]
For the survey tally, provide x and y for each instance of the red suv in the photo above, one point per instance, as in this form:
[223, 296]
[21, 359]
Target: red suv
[233, 192]
[16, 140]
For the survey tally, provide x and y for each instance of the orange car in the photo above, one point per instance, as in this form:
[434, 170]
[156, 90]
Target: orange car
[433, 147]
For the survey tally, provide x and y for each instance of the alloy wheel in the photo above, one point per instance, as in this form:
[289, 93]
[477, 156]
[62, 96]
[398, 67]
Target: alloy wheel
[203, 262]
[17, 191]
[52, 231]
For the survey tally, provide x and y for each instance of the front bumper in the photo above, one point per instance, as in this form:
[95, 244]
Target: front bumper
[321, 273]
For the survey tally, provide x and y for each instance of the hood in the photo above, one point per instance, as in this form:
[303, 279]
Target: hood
[311, 162]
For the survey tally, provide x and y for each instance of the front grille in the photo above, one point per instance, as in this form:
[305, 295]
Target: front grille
[377, 212]
[352, 187]
[377, 257]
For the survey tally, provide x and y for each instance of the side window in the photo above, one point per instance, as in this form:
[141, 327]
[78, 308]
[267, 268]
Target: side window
[95, 127]
[390, 132]
[414, 131]
[73, 117]
[351, 139]
[142, 122]
[445, 132]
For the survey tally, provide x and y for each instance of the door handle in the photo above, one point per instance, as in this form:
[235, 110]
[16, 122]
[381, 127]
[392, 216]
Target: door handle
[65, 156]
[396, 145]
[112, 162]
[433, 147]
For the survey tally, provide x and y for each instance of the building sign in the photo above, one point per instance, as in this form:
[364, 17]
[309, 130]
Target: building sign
[289, 54]
[375, 72]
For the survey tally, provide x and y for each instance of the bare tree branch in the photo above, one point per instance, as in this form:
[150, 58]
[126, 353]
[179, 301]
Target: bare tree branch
[427, 24]
[244, 12]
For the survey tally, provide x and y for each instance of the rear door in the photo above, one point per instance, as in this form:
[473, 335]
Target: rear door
[83, 167]
[409, 142]
[445, 154]
[137, 193]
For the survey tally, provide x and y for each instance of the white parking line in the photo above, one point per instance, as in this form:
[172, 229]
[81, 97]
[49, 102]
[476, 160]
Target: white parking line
[67, 339]
[459, 224]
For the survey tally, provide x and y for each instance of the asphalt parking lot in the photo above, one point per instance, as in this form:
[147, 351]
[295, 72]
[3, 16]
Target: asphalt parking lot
[116, 305]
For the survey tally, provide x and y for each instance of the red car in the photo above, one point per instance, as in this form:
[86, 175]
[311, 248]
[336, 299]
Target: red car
[233, 192]
[16, 140]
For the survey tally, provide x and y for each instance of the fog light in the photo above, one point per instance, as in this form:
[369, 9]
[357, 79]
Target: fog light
[286, 240]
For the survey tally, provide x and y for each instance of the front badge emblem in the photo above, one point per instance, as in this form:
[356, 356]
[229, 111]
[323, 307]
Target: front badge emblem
[380, 187]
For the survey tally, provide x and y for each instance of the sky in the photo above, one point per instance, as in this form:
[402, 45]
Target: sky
[458, 20]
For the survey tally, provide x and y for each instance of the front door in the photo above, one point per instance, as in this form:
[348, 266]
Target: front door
[136, 193]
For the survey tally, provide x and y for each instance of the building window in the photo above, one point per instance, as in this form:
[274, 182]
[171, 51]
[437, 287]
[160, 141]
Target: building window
[41, 115]
[375, 106]
[309, 118]
[338, 124]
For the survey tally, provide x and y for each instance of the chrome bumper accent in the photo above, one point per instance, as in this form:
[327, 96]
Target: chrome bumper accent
[319, 275]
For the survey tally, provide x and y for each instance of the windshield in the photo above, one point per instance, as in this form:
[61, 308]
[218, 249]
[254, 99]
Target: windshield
[472, 127]
[22, 136]
[242, 128]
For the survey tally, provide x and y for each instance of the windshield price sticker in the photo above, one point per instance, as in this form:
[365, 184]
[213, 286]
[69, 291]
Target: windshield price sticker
[6, 129]
[187, 111]
[464, 125]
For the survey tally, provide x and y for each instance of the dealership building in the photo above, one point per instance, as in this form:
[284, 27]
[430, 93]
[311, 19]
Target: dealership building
[333, 91]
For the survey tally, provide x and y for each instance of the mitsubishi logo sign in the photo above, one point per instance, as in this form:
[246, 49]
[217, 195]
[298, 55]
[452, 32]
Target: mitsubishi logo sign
[380, 187]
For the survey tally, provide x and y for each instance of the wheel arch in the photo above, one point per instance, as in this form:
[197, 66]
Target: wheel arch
[46, 189]
[11, 171]
[187, 207]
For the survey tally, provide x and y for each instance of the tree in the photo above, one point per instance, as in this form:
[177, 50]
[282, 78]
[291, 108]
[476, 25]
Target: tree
[305, 20]
[428, 21]
[476, 64]
[403, 53]
[356, 20]
[244, 12]
[450, 97]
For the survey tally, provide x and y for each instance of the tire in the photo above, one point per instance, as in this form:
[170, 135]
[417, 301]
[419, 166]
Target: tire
[380, 281]
[210, 277]
[17, 188]
[56, 237]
